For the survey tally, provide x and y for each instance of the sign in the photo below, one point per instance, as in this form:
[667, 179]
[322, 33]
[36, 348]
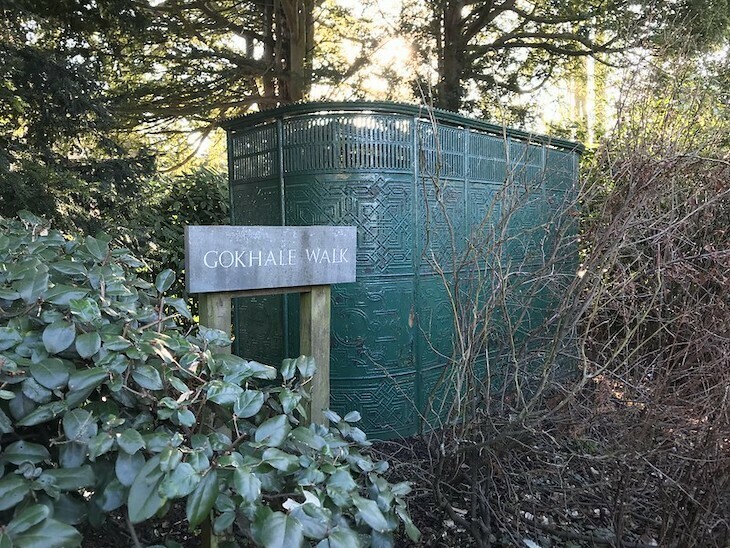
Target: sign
[237, 258]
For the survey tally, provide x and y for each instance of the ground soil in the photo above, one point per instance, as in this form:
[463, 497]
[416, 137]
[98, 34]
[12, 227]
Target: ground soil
[548, 525]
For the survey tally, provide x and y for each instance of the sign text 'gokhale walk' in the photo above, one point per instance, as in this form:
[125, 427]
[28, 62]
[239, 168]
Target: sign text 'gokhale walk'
[238, 258]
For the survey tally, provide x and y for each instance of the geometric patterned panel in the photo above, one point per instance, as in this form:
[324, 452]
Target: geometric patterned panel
[256, 203]
[435, 322]
[441, 223]
[386, 403]
[372, 328]
[380, 207]
[483, 214]
[259, 334]
[525, 153]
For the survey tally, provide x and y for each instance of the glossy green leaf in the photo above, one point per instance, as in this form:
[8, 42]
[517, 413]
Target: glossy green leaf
[288, 368]
[261, 371]
[280, 460]
[147, 377]
[27, 518]
[341, 537]
[24, 451]
[5, 541]
[247, 484]
[87, 379]
[248, 403]
[33, 284]
[411, 530]
[58, 336]
[97, 247]
[100, 444]
[289, 400]
[85, 310]
[70, 510]
[200, 501]
[88, 344]
[307, 366]
[21, 405]
[13, 490]
[181, 482]
[5, 425]
[63, 294]
[332, 416]
[144, 498]
[352, 416]
[9, 294]
[127, 467]
[34, 391]
[43, 413]
[223, 393]
[164, 280]
[273, 431]
[9, 337]
[185, 417]
[116, 343]
[51, 373]
[70, 268]
[282, 531]
[170, 457]
[49, 534]
[371, 514]
[79, 425]
[72, 454]
[130, 441]
[70, 479]
[180, 306]
[223, 522]
[113, 496]
[342, 479]
[308, 437]
[315, 520]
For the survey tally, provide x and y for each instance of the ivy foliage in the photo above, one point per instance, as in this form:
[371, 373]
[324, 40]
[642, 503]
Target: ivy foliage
[106, 405]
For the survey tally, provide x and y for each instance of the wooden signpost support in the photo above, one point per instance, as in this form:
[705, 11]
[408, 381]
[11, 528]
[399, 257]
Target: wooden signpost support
[314, 332]
[226, 262]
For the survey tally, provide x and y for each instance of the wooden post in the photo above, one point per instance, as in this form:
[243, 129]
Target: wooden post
[215, 313]
[314, 333]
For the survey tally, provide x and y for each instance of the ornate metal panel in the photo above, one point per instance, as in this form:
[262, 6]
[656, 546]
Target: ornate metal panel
[386, 403]
[380, 207]
[441, 223]
[256, 203]
[418, 188]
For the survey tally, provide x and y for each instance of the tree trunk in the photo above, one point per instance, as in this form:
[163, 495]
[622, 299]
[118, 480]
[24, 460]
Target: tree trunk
[268, 78]
[451, 57]
[298, 25]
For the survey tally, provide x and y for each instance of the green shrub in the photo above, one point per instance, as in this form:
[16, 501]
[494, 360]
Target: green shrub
[106, 403]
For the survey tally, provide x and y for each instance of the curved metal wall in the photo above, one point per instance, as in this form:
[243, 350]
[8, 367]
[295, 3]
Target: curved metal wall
[418, 188]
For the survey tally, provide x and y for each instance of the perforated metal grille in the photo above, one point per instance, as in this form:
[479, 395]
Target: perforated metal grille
[254, 154]
[334, 142]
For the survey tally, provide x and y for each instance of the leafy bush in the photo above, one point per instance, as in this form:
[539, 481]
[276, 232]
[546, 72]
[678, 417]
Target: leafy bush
[104, 402]
[166, 205]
